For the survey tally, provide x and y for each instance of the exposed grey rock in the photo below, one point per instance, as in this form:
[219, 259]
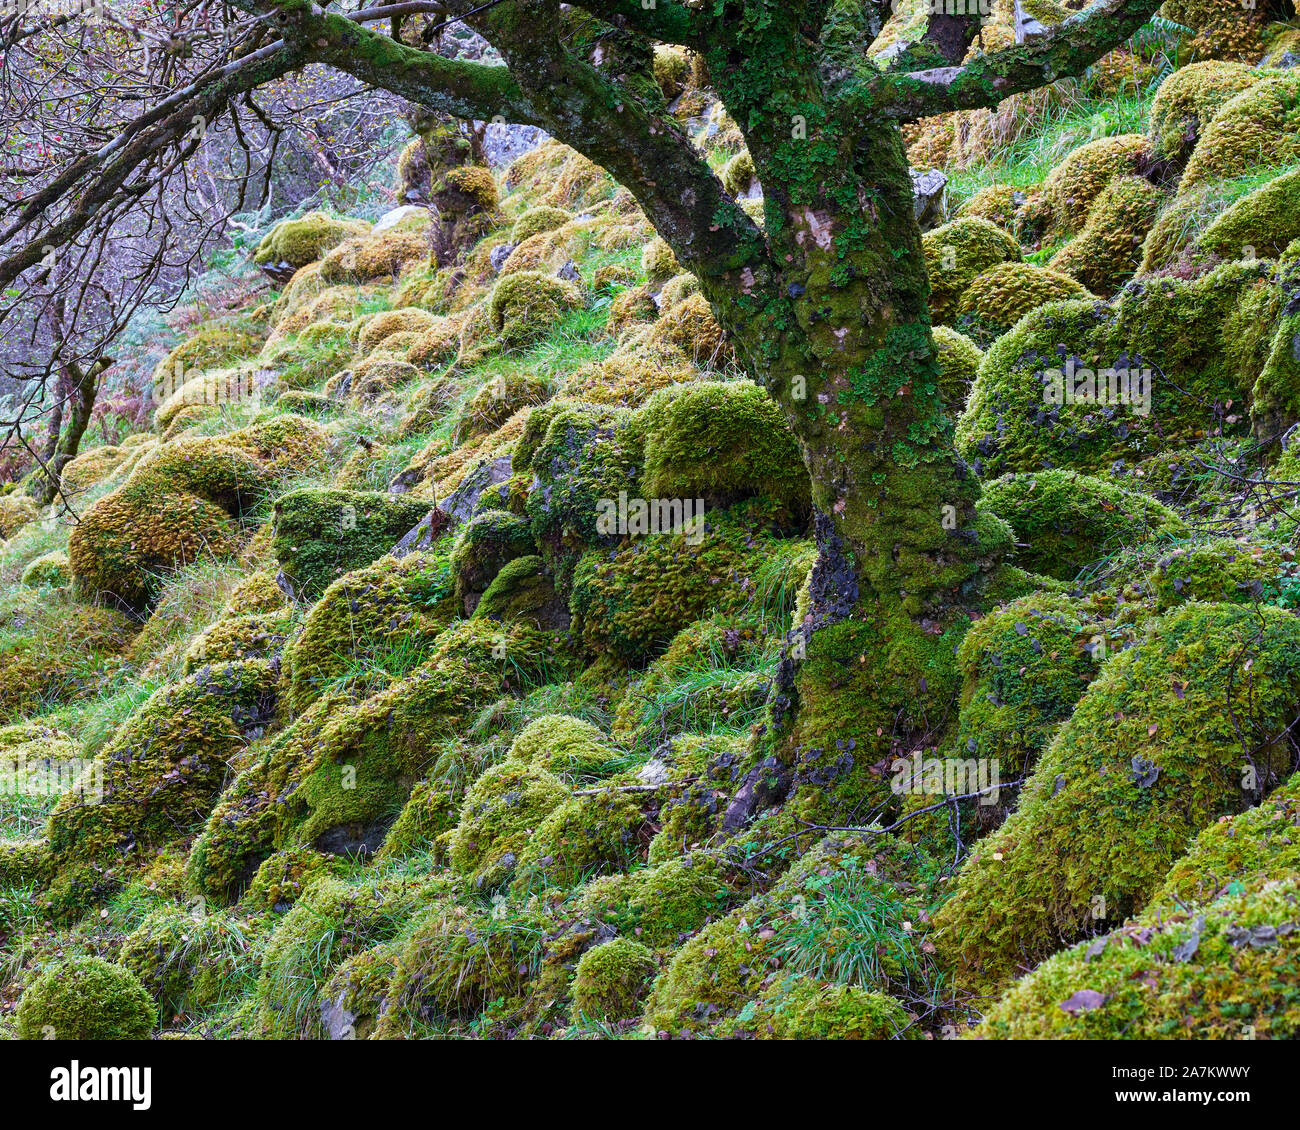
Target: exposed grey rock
[503, 143]
[392, 218]
[463, 503]
[928, 191]
[338, 1022]
[458, 507]
[498, 255]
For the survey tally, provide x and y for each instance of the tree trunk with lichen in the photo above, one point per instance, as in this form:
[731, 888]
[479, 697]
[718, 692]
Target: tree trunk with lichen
[839, 334]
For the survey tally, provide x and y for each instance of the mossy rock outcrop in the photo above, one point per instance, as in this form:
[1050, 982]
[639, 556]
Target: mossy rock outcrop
[1065, 521]
[394, 605]
[1149, 757]
[321, 534]
[1082, 384]
[155, 780]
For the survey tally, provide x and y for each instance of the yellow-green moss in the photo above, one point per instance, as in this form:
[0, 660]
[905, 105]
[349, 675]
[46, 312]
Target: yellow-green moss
[1258, 128]
[393, 603]
[998, 298]
[1187, 101]
[49, 569]
[534, 221]
[500, 814]
[85, 998]
[612, 979]
[1083, 175]
[722, 442]
[958, 251]
[524, 305]
[304, 240]
[1109, 249]
[1064, 520]
[1209, 337]
[321, 534]
[1150, 756]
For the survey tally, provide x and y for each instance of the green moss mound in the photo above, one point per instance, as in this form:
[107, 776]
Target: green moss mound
[1143, 374]
[1188, 99]
[85, 998]
[998, 298]
[958, 251]
[382, 611]
[612, 979]
[1065, 521]
[1108, 250]
[1226, 970]
[502, 810]
[1254, 129]
[304, 240]
[321, 534]
[1149, 757]
[1083, 175]
[723, 442]
[1259, 225]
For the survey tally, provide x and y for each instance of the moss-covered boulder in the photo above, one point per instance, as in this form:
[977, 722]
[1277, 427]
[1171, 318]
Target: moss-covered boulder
[155, 780]
[959, 360]
[722, 442]
[958, 251]
[488, 542]
[1083, 384]
[566, 746]
[998, 298]
[1024, 666]
[49, 569]
[500, 814]
[632, 601]
[321, 534]
[612, 979]
[809, 923]
[338, 777]
[1188, 99]
[295, 243]
[1109, 248]
[1259, 225]
[661, 905]
[1073, 185]
[798, 1007]
[498, 400]
[85, 998]
[1254, 129]
[534, 221]
[1225, 969]
[585, 835]
[525, 304]
[1152, 754]
[1064, 520]
[387, 609]
[184, 501]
